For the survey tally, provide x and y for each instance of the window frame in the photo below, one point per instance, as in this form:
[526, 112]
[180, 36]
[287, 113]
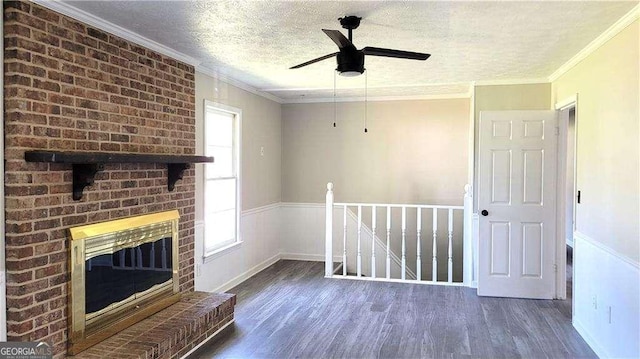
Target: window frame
[214, 251]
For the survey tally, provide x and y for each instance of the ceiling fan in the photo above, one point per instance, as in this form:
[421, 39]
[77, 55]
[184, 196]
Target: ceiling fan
[351, 60]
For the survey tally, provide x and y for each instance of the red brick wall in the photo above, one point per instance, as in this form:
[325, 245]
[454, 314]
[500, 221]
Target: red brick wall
[69, 86]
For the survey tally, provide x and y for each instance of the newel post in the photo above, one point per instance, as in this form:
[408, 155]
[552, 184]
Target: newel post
[467, 228]
[328, 260]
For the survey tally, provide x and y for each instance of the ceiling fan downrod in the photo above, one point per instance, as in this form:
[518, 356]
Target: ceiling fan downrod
[350, 23]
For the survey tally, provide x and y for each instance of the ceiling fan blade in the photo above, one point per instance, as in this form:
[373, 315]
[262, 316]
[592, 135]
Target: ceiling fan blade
[313, 61]
[377, 51]
[339, 39]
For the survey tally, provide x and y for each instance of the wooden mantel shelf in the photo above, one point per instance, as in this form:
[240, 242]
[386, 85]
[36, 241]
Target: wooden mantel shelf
[87, 164]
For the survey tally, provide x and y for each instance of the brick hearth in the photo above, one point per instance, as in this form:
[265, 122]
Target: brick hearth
[71, 87]
[170, 333]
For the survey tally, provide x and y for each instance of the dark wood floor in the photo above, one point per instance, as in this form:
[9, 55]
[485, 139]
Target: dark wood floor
[290, 310]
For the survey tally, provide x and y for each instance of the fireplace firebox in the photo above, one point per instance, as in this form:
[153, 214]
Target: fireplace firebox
[122, 271]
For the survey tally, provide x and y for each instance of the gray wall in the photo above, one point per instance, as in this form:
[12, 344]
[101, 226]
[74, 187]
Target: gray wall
[414, 152]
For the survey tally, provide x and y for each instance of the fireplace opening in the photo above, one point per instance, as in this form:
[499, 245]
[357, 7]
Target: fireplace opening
[122, 271]
[113, 278]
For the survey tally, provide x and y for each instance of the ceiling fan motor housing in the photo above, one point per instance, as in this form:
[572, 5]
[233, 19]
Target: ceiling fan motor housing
[350, 63]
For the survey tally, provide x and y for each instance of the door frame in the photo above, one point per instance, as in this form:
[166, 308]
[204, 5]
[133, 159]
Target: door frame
[561, 203]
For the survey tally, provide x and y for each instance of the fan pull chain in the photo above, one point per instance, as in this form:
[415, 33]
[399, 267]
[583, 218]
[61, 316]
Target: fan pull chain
[365, 101]
[335, 108]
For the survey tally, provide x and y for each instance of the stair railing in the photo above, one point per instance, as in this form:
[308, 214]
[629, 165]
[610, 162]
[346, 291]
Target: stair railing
[406, 274]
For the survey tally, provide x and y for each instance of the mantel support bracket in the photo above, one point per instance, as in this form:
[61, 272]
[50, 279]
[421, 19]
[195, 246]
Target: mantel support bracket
[175, 171]
[83, 176]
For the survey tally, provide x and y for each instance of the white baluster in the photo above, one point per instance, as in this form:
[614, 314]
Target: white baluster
[359, 259]
[418, 250]
[139, 254]
[434, 274]
[344, 241]
[467, 241]
[373, 242]
[388, 245]
[450, 269]
[328, 242]
[404, 254]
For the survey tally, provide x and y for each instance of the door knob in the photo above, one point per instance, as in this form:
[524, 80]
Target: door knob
[484, 212]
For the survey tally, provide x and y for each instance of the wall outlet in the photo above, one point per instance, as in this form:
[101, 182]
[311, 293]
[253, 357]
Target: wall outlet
[262, 151]
[198, 270]
[594, 301]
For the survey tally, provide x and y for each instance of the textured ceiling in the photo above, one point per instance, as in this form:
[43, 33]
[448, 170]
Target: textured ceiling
[257, 41]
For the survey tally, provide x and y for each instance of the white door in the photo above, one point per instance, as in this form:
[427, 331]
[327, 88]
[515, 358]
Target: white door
[517, 192]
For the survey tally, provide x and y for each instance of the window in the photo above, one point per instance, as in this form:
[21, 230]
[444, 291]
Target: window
[221, 178]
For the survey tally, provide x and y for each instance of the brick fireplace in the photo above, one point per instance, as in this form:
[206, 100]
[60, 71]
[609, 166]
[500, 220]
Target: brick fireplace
[71, 87]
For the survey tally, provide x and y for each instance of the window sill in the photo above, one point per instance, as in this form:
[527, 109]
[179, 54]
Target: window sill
[221, 251]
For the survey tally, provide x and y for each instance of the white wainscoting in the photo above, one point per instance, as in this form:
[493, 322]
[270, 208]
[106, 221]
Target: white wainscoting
[606, 292]
[302, 232]
[260, 248]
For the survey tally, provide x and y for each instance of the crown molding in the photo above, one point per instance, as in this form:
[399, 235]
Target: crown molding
[607, 35]
[378, 98]
[531, 81]
[92, 20]
[239, 84]
[435, 84]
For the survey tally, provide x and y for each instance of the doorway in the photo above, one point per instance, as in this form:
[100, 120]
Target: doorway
[568, 195]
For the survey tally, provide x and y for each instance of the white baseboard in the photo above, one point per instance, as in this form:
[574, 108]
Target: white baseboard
[248, 274]
[600, 352]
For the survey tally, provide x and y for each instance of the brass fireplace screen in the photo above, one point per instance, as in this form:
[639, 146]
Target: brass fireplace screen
[121, 272]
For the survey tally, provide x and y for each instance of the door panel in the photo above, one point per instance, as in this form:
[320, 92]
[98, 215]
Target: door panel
[533, 164]
[517, 172]
[500, 251]
[501, 177]
[532, 248]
